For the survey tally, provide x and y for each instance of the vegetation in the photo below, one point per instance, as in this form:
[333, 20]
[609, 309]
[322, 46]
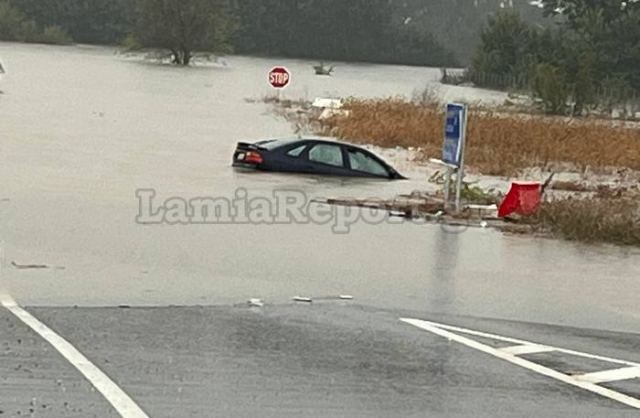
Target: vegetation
[613, 220]
[589, 60]
[355, 30]
[183, 27]
[499, 144]
[390, 31]
[458, 23]
[15, 26]
[86, 21]
[503, 144]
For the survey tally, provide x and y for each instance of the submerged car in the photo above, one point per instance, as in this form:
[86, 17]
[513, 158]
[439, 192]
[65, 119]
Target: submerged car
[312, 156]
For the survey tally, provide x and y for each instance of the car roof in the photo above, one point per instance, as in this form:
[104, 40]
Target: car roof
[280, 142]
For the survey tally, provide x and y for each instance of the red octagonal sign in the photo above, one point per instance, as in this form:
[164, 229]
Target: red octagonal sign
[279, 77]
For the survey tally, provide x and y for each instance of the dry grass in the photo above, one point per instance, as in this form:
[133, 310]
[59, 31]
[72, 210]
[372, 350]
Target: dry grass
[569, 186]
[592, 220]
[498, 144]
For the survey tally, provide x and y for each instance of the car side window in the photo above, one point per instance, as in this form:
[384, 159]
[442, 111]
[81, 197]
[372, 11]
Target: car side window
[365, 163]
[295, 152]
[326, 154]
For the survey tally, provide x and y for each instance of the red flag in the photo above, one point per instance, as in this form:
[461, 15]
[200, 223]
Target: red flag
[523, 199]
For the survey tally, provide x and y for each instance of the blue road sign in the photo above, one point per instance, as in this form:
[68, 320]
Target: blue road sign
[454, 134]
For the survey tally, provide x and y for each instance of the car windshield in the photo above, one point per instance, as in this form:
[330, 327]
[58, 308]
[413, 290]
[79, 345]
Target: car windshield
[360, 161]
[319, 208]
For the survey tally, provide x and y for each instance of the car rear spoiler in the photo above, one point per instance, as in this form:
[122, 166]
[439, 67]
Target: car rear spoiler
[247, 146]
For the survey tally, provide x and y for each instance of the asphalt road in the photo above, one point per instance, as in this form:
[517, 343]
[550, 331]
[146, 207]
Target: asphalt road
[321, 359]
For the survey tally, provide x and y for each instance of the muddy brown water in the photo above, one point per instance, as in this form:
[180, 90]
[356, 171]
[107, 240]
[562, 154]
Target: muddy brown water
[81, 129]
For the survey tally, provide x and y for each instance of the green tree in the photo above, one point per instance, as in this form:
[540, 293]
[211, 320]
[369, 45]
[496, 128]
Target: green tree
[457, 23]
[90, 21]
[506, 53]
[354, 30]
[607, 29]
[413, 47]
[11, 20]
[550, 86]
[16, 26]
[183, 27]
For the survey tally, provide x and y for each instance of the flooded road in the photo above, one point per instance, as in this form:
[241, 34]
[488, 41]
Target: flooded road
[81, 129]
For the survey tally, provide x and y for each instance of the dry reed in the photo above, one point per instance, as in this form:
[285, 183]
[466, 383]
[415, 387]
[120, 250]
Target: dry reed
[498, 144]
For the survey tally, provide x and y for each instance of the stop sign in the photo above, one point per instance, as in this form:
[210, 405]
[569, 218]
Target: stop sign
[279, 77]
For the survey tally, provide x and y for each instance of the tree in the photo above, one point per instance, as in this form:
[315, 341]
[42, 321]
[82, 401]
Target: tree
[15, 26]
[506, 53]
[183, 27]
[89, 21]
[11, 21]
[457, 23]
[550, 86]
[353, 30]
[609, 29]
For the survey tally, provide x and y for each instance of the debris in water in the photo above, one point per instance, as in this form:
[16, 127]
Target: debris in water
[322, 69]
[29, 266]
[255, 302]
[302, 299]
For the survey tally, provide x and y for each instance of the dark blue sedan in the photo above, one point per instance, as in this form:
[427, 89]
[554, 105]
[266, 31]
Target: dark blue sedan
[312, 156]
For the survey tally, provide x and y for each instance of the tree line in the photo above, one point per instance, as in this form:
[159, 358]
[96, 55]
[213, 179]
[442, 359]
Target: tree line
[574, 55]
[15, 25]
[355, 30]
[414, 32]
[588, 59]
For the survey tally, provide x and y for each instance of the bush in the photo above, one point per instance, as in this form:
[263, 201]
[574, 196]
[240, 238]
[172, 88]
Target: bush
[55, 35]
[550, 86]
[130, 43]
[593, 220]
[28, 32]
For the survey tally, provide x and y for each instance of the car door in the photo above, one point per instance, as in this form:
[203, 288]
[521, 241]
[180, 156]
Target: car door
[326, 158]
[364, 164]
[292, 158]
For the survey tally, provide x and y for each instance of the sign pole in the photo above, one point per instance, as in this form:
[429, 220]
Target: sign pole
[460, 171]
[447, 188]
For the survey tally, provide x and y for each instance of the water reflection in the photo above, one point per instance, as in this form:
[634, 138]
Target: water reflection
[441, 291]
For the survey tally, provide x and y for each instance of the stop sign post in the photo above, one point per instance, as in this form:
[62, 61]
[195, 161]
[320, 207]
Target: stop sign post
[279, 77]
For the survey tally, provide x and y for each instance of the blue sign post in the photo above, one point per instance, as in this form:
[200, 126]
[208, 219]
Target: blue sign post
[454, 134]
[453, 148]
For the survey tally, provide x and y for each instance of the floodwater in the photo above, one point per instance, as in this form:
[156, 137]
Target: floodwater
[81, 129]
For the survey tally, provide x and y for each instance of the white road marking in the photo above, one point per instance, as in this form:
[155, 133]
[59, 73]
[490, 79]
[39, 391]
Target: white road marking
[610, 375]
[523, 342]
[442, 330]
[518, 350]
[118, 399]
